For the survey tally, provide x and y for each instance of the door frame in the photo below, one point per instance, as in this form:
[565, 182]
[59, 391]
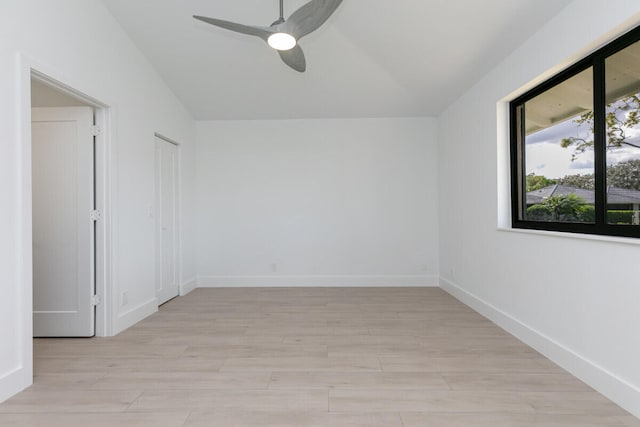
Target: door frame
[178, 238]
[103, 326]
[29, 68]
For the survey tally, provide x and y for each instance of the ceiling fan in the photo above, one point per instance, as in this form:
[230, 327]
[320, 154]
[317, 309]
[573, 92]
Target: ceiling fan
[283, 35]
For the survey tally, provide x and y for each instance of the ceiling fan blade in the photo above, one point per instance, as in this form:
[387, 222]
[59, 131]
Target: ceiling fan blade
[261, 32]
[310, 17]
[294, 58]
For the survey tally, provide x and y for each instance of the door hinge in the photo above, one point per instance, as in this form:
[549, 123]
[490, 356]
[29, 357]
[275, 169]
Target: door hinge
[95, 130]
[96, 300]
[95, 215]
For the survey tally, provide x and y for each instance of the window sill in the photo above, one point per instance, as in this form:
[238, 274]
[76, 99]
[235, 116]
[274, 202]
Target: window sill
[593, 237]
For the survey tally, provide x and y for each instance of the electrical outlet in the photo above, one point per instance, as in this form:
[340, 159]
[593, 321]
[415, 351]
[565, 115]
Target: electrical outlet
[125, 298]
[274, 267]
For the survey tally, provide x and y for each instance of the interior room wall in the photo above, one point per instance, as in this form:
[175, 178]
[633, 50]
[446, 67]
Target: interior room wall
[574, 299]
[317, 202]
[78, 43]
[43, 95]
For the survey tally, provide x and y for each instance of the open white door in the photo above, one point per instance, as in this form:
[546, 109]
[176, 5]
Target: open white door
[63, 226]
[167, 286]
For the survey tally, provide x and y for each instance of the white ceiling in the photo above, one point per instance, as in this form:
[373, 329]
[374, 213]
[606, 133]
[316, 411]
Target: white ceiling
[373, 58]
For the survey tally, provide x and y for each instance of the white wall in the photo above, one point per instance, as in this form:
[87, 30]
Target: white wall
[78, 43]
[329, 202]
[43, 95]
[576, 300]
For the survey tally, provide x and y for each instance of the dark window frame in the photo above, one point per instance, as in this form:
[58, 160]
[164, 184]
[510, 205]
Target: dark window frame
[596, 61]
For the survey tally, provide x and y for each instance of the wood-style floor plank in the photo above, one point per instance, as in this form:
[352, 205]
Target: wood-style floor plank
[38, 400]
[238, 400]
[306, 357]
[393, 400]
[291, 419]
[71, 419]
[358, 380]
[423, 419]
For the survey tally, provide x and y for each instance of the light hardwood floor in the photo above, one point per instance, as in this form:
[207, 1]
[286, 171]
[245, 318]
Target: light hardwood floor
[306, 357]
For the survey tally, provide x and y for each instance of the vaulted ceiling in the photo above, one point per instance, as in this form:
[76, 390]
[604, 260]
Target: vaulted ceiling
[373, 58]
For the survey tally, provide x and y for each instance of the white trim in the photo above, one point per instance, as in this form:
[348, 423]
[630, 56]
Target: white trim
[188, 286]
[14, 382]
[615, 388]
[104, 230]
[165, 139]
[136, 314]
[62, 87]
[319, 281]
[503, 151]
[579, 236]
[22, 377]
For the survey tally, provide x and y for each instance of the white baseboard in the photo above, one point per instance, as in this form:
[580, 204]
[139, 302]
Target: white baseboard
[316, 281]
[136, 314]
[14, 382]
[615, 388]
[188, 286]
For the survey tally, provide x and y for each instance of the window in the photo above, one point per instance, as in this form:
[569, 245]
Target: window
[575, 146]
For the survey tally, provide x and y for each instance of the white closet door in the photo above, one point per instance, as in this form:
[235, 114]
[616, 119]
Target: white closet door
[167, 286]
[63, 231]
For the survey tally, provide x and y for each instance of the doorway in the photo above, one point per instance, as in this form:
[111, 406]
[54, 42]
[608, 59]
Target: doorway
[167, 231]
[68, 211]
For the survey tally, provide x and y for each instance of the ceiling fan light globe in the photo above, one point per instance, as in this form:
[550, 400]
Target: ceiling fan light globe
[281, 41]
